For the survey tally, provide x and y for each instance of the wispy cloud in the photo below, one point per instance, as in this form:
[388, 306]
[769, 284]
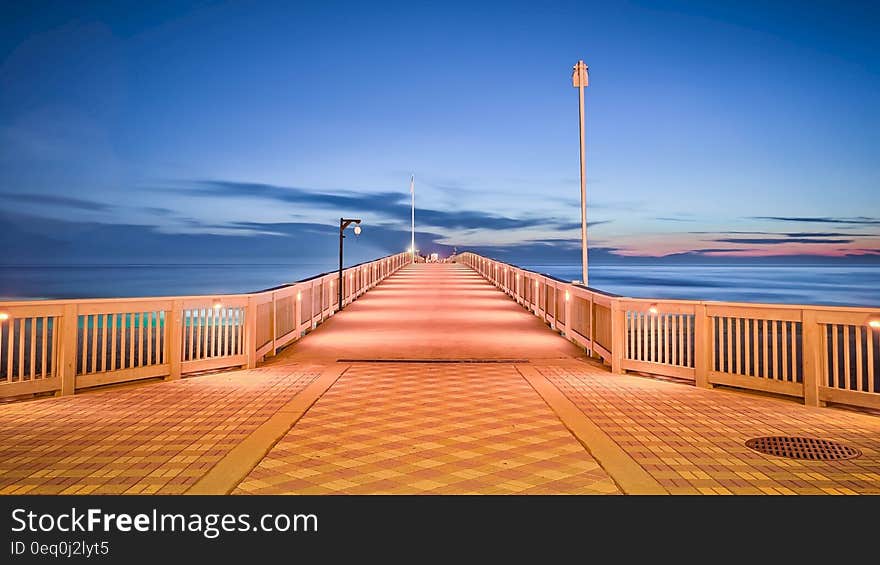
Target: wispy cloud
[56, 200]
[391, 205]
[858, 220]
[772, 241]
[672, 219]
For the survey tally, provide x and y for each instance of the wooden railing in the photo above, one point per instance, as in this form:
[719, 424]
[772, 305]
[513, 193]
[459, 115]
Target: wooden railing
[819, 353]
[62, 346]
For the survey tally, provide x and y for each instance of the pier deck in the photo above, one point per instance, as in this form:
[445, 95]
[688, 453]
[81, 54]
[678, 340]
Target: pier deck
[433, 382]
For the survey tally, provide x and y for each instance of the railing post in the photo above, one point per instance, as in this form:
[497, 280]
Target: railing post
[618, 336]
[67, 362]
[297, 313]
[250, 332]
[567, 324]
[174, 333]
[274, 326]
[312, 323]
[702, 346]
[814, 357]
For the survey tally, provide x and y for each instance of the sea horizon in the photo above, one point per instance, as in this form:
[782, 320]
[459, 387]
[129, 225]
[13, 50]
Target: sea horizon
[819, 284]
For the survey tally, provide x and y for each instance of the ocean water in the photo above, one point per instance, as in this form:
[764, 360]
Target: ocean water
[814, 284]
[854, 286]
[112, 281]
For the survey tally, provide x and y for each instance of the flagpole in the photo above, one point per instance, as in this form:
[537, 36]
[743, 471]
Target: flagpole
[412, 192]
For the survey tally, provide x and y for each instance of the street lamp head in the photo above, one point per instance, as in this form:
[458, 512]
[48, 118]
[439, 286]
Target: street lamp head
[580, 75]
[357, 230]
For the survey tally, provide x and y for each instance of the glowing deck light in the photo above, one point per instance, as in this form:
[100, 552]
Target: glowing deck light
[872, 323]
[567, 296]
[536, 284]
[652, 309]
[3, 316]
[218, 305]
[299, 295]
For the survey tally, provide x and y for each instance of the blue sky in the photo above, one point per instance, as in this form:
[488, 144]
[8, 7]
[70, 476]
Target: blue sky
[241, 130]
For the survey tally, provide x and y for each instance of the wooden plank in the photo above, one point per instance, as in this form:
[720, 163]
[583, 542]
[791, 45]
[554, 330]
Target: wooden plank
[659, 369]
[679, 329]
[755, 371]
[754, 312]
[640, 321]
[859, 384]
[113, 363]
[784, 351]
[22, 329]
[34, 310]
[775, 356]
[755, 383]
[33, 359]
[204, 344]
[842, 317]
[94, 342]
[124, 307]
[835, 361]
[847, 370]
[729, 367]
[871, 386]
[131, 341]
[198, 341]
[149, 316]
[45, 349]
[12, 389]
[850, 397]
[123, 332]
[747, 354]
[737, 330]
[689, 340]
[765, 369]
[224, 321]
[794, 350]
[141, 322]
[121, 376]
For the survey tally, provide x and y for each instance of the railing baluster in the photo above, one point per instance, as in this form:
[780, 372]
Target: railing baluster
[784, 351]
[836, 362]
[872, 387]
[33, 359]
[45, 350]
[858, 336]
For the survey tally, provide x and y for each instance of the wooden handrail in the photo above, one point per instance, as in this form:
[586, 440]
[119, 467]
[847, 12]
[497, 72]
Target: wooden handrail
[62, 346]
[816, 352]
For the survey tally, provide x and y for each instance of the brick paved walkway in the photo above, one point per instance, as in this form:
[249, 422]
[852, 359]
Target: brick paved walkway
[439, 429]
[424, 427]
[152, 438]
[691, 440]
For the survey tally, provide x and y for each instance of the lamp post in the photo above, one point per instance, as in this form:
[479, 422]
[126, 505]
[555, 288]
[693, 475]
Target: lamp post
[580, 78]
[344, 223]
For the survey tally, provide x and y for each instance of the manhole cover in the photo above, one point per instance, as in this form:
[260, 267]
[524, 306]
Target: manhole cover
[803, 448]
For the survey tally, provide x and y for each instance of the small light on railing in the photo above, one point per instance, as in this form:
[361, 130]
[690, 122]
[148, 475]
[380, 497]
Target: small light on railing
[299, 296]
[517, 275]
[653, 309]
[536, 284]
[218, 305]
[872, 323]
[567, 296]
[3, 316]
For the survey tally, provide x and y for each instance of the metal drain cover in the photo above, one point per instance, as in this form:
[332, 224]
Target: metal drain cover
[807, 448]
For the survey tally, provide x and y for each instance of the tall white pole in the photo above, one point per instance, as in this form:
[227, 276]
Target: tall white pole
[412, 192]
[580, 79]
